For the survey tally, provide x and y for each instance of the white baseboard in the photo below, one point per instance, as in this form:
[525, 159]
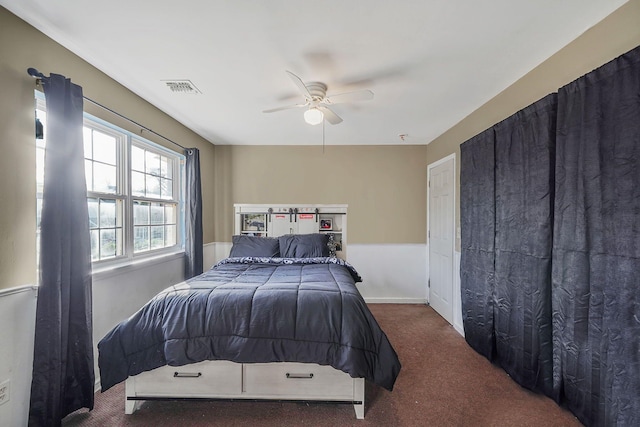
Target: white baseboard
[375, 300]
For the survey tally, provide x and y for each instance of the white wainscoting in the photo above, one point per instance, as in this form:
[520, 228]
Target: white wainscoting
[457, 295]
[116, 295]
[17, 329]
[214, 252]
[391, 273]
[120, 293]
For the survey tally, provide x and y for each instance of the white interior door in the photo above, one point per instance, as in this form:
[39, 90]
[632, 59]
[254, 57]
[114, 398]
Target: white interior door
[440, 226]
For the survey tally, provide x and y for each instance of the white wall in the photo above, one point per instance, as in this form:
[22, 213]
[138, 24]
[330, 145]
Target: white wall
[457, 295]
[117, 294]
[391, 273]
[214, 252]
[17, 328]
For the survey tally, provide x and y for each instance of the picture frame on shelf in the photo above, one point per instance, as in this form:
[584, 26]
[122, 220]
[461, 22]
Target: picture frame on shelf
[254, 222]
[326, 224]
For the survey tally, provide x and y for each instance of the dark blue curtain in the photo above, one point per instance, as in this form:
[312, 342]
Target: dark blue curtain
[555, 189]
[596, 251]
[193, 214]
[477, 259]
[63, 369]
[524, 159]
[506, 206]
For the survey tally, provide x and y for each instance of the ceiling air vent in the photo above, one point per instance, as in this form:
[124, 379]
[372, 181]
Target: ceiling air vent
[182, 86]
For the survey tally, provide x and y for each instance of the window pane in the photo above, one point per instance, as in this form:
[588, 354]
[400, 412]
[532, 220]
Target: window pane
[140, 239]
[166, 188]
[119, 242]
[157, 237]
[137, 184]
[107, 243]
[39, 169]
[92, 204]
[88, 174]
[157, 214]
[140, 213]
[166, 167]
[152, 163]
[104, 178]
[153, 186]
[137, 158]
[87, 140]
[170, 235]
[95, 252]
[104, 148]
[38, 212]
[169, 214]
[107, 213]
[42, 115]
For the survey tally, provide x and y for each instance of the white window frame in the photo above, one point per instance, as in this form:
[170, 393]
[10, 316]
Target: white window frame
[125, 140]
[177, 189]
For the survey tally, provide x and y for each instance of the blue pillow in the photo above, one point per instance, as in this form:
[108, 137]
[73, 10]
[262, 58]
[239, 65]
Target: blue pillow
[304, 245]
[255, 246]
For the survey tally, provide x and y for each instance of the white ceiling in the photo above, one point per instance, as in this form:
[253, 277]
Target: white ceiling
[430, 63]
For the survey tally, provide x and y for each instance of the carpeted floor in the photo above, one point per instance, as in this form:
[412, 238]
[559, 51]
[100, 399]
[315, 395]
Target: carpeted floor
[443, 382]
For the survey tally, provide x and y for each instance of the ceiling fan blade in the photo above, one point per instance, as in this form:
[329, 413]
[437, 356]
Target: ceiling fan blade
[273, 110]
[329, 115]
[298, 82]
[358, 95]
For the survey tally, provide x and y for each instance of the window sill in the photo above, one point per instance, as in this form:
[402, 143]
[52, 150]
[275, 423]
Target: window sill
[127, 266]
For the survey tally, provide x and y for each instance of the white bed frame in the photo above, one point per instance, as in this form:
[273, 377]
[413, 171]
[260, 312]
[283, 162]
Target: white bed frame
[255, 381]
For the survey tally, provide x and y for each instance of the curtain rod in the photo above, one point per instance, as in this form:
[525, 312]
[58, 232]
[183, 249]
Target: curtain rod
[38, 75]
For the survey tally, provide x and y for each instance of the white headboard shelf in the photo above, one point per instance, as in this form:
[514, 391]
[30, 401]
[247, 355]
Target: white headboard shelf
[273, 220]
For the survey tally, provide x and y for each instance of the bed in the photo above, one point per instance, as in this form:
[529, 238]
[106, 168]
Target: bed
[285, 327]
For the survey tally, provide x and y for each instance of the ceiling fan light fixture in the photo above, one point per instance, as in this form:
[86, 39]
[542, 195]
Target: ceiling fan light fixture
[313, 116]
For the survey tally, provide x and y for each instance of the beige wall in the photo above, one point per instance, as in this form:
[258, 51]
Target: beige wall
[21, 47]
[613, 36]
[384, 186]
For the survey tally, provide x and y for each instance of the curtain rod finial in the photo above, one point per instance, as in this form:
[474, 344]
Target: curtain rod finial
[34, 73]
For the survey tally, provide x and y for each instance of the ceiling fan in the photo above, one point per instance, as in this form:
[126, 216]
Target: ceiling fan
[317, 102]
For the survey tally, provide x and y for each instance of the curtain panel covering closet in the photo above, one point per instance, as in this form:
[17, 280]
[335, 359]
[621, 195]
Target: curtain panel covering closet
[193, 215]
[506, 209]
[477, 227]
[63, 370]
[559, 309]
[596, 250]
[524, 158]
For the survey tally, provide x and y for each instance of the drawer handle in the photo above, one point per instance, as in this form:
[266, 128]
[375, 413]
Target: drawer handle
[187, 374]
[299, 376]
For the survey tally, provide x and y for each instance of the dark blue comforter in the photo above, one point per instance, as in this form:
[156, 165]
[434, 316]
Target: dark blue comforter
[252, 310]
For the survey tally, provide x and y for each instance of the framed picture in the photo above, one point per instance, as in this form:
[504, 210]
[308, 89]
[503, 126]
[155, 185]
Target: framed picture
[254, 222]
[326, 224]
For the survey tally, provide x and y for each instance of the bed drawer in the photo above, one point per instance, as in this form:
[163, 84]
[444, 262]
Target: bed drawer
[204, 379]
[297, 381]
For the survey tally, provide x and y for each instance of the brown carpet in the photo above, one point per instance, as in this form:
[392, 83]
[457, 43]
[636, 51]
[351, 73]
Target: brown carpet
[443, 382]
